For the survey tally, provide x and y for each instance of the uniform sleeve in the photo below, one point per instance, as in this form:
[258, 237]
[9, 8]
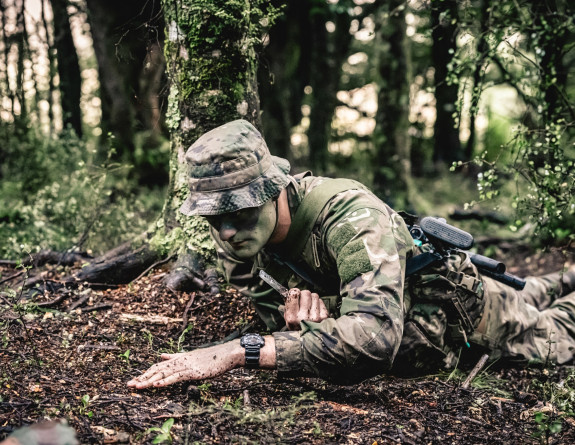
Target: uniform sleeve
[369, 247]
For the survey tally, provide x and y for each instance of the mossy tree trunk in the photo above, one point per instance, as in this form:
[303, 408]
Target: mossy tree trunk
[210, 50]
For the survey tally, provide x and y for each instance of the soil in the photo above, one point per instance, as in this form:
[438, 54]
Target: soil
[71, 360]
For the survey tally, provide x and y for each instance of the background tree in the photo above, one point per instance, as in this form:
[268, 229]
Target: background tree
[68, 67]
[392, 145]
[128, 40]
[211, 64]
[446, 144]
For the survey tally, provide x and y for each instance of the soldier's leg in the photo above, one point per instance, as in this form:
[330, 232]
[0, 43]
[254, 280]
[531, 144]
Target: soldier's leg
[542, 291]
[519, 331]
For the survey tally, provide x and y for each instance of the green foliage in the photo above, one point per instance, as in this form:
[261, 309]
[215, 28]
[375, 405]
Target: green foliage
[53, 195]
[524, 46]
[164, 433]
[560, 398]
[84, 405]
[264, 426]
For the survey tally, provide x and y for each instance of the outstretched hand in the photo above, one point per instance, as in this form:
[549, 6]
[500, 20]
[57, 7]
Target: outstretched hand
[195, 365]
[303, 305]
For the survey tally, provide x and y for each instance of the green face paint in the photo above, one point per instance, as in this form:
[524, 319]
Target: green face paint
[246, 231]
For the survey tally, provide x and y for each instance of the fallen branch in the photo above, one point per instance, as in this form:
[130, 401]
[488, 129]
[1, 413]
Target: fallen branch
[98, 347]
[11, 277]
[185, 316]
[475, 370]
[97, 307]
[154, 319]
[156, 264]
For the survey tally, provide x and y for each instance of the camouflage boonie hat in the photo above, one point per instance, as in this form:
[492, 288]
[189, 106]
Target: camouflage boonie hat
[231, 168]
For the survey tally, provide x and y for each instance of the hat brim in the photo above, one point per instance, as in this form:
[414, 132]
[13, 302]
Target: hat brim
[255, 194]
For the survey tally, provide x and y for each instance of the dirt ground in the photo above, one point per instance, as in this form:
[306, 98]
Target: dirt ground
[72, 358]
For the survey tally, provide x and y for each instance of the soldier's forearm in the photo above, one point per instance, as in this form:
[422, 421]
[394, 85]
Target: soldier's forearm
[268, 353]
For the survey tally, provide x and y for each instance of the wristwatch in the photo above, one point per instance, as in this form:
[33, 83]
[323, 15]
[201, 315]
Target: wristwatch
[252, 343]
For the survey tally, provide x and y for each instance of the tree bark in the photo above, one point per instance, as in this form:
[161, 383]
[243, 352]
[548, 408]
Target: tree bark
[284, 73]
[211, 65]
[128, 37]
[68, 67]
[446, 145]
[392, 170]
[329, 50]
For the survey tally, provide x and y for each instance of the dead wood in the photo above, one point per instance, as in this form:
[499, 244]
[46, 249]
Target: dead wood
[120, 268]
[493, 217]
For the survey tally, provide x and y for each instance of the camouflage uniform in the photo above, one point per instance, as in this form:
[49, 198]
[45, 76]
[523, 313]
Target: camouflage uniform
[379, 321]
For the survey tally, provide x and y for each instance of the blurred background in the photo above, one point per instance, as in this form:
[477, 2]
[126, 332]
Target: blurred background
[461, 109]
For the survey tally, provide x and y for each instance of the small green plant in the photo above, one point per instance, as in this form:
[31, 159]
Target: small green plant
[149, 337]
[182, 337]
[547, 426]
[264, 426]
[204, 389]
[126, 356]
[85, 404]
[164, 432]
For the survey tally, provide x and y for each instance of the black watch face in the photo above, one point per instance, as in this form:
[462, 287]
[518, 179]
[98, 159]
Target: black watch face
[252, 340]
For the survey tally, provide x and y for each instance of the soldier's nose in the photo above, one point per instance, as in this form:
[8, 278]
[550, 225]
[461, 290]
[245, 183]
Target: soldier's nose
[227, 231]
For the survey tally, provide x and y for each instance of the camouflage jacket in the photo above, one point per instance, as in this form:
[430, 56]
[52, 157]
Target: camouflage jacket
[357, 263]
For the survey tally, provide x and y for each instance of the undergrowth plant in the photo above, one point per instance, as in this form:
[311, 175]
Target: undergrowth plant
[560, 396]
[264, 426]
[56, 194]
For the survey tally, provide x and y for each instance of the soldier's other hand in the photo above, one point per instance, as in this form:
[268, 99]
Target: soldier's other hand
[303, 305]
[199, 364]
[45, 433]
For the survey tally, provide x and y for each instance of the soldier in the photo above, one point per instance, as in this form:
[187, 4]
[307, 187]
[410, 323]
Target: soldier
[356, 315]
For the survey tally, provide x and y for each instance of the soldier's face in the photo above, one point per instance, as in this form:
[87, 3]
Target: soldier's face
[246, 231]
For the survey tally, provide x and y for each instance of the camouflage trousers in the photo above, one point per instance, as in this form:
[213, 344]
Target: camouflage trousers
[532, 326]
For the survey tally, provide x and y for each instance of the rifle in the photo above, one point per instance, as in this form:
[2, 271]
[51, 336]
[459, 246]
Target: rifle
[445, 238]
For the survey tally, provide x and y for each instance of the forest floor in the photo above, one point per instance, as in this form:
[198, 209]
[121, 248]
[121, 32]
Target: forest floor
[72, 360]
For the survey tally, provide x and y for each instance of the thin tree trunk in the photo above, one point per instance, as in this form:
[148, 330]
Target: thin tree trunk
[478, 73]
[22, 44]
[447, 146]
[52, 67]
[68, 67]
[392, 166]
[329, 50]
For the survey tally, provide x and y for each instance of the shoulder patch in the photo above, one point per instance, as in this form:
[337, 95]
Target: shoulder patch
[352, 257]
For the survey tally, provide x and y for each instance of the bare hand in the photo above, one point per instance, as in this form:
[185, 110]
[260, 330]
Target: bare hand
[195, 365]
[303, 305]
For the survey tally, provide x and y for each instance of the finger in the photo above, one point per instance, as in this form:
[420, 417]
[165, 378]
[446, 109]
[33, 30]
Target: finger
[305, 305]
[153, 379]
[174, 378]
[314, 309]
[166, 356]
[291, 309]
[150, 372]
[323, 312]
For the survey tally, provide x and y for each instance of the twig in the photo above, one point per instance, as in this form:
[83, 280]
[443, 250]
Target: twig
[53, 302]
[97, 307]
[475, 370]
[99, 347]
[185, 316]
[12, 277]
[80, 301]
[155, 319]
[159, 263]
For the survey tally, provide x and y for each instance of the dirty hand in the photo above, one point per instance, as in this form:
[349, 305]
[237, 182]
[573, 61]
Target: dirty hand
[45, 433]
[195, 365]
[303, 305]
